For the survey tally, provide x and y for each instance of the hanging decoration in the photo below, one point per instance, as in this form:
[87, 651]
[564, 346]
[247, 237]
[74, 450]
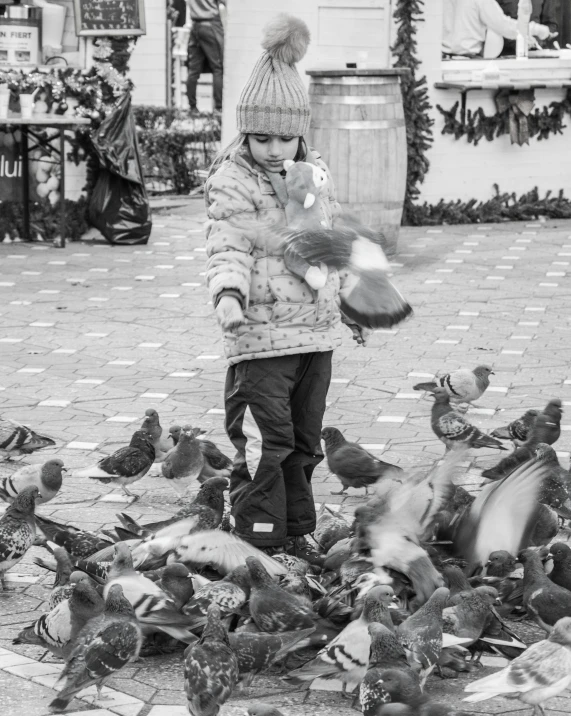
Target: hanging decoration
[415, 99]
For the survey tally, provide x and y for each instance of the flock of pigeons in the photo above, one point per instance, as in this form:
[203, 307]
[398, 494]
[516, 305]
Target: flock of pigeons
[423, 581]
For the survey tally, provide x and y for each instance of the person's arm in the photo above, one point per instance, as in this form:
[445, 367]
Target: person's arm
[229, 244]
[493, 18]
[551, 14]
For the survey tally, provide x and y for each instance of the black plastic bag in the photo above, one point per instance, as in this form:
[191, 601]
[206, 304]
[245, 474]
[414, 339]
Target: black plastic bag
[119, 206]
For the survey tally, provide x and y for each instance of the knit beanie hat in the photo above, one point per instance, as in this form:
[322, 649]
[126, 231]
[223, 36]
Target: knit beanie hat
[274, 99]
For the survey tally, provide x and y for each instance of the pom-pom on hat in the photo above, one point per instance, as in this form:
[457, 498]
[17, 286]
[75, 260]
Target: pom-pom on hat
[274, 99]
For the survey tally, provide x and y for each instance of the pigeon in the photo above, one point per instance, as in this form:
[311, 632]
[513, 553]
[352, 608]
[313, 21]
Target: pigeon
[345, 658]
[500, 564]
[216, 464]
[453, 429]
[545, 523]
[174, 434]
[468, 617]
[556, 486]
[502, 515]
[272, 608]
[211, 669]
[47, 478]
[63, 586]
[230, 594]
[184, 462]
[257, 652]
[367, 295]
[57, 629]
[105, 645]
[177, 583]
[518, 430]
[154, 610]
[17, 530]
[79, 543]
[151, 425]
[388, 678]
[560, 553]
[222, 551]
[124, 466]
[263, 710]
[545, 601]
[330, 528]
[462, 385]
[542, 672]
[351, 463]
[18, 439]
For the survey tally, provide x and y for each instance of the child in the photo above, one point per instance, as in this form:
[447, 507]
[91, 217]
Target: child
[279, 334]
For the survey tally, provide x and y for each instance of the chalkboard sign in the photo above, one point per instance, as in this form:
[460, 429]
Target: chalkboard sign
[109, 17]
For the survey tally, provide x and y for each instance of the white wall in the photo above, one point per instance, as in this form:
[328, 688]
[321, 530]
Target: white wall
[149, 60]
[339, 29]
[459, 170]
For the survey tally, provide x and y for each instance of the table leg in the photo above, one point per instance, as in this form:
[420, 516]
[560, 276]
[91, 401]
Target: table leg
[25, 181]
[61, 243]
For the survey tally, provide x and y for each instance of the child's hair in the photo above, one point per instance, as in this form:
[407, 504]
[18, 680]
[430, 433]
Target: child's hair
[230, 150]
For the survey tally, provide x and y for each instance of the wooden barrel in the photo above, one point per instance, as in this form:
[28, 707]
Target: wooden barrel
[358, 126]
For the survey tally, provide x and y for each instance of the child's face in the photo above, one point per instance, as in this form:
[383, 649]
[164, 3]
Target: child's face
[270, 152]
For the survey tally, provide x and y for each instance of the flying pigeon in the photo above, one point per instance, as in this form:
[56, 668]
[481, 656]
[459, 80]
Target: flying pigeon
[518, 430]
[542, 672]
[105, 645]
[17, 530]
[351, 463]
[272, 608]
[47, 478]
[79, 543]
[211, 668]
[346, 657]
[545, 601]
[560, 553]
[124, 466]
[184, 462]
[367, 295]
[151, 425]
[462, 385]
[453, 429]
[57, 629]
[18, 439]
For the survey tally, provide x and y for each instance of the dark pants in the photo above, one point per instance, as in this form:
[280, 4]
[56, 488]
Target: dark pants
[274, 415]
[205, 50]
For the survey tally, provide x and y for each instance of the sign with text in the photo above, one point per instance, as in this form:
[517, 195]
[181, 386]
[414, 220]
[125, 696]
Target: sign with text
[19, 41]
[109, 17]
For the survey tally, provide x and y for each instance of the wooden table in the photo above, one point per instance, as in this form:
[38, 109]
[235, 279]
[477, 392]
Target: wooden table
[48, 121]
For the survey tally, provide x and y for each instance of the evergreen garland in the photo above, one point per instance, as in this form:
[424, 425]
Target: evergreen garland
[478, 125]
[415, 100]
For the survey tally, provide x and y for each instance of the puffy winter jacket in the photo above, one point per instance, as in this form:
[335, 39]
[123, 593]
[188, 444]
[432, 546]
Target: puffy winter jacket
[283, 314]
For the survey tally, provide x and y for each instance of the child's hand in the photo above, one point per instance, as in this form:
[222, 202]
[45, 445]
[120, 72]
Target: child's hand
[229, 313]
[360, 334]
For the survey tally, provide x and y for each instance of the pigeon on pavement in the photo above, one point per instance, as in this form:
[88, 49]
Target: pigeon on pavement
[547, 426]
[230, 594]
[177, 583]
[468, 617]
[256, 652]
[57, 629]
[18, 439]
[542, 672]
[263, 710]
[184, 462]
[330, 528]
[518, 431]
[47, 478]
[151, 425]
[211, 668]
[351, 463]
[346, 657]
[271, 607]
[453, 429]
[105, 645]
[462, 385]
[216, 464]
[77, 542]
[17, 530]
[545, 601]
[500, 564]
[63, 586]
[560, 553]
[124, 466]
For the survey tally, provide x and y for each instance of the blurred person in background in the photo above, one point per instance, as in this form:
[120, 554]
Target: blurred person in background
[545, 12]
[205, 49]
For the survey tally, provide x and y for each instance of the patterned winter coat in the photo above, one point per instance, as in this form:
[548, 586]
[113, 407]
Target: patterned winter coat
[283, 314]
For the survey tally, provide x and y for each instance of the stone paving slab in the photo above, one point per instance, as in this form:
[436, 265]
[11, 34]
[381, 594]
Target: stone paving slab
[92, 335]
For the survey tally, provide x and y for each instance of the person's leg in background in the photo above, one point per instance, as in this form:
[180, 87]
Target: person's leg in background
[211, 36]
[259, 424]
[195, 62]
[308, 403]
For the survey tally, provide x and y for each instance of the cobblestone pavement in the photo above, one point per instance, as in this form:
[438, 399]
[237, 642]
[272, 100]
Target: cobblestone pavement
[92, 335]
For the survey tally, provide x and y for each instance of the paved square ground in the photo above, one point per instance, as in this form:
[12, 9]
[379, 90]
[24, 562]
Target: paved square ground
[92, 335]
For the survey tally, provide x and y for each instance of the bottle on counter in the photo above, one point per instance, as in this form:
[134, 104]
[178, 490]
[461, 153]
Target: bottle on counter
[524, 10]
